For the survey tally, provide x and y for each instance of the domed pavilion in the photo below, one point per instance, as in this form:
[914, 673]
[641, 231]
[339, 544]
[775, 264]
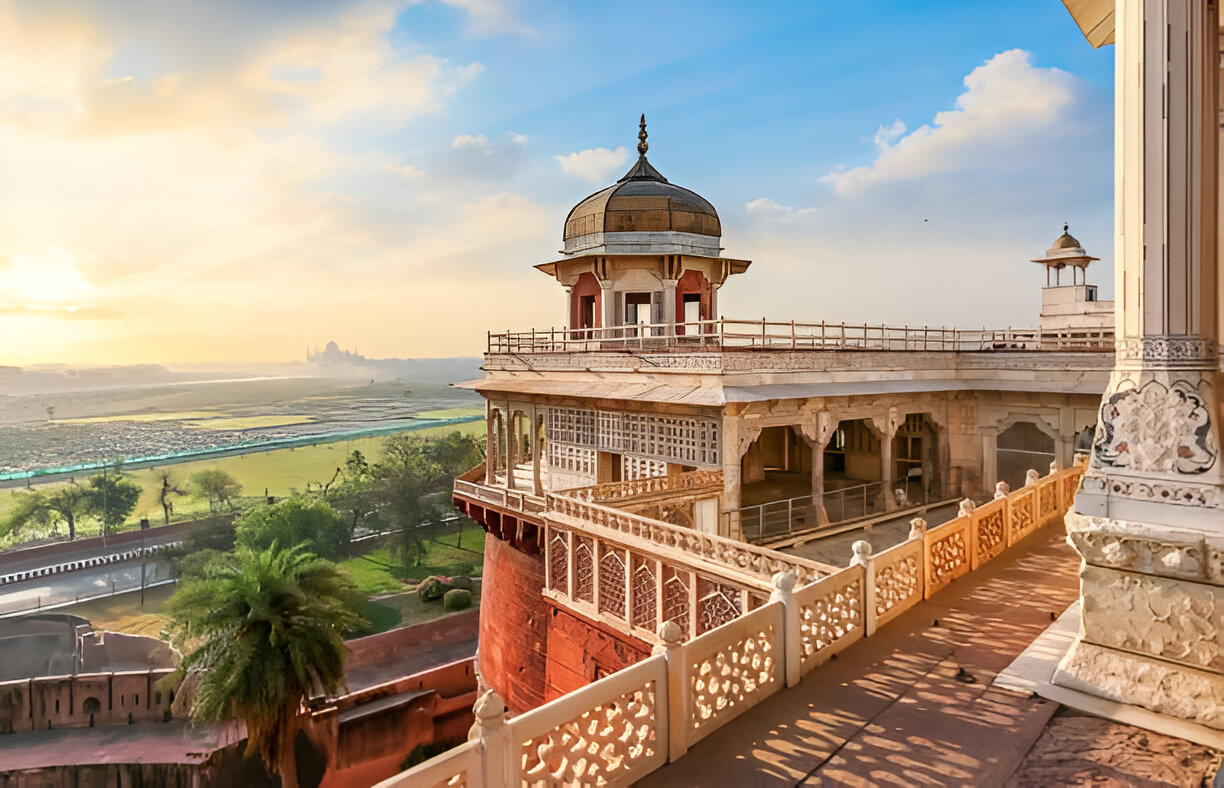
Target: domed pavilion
[643, 251]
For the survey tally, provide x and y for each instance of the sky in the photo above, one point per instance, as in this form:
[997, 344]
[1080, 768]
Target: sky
[190, 181]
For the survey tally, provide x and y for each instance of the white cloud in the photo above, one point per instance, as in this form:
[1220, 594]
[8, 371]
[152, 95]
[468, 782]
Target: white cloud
[471, 142]
[1006, 102]
[770, 210]
[491, 17]
[594, 165]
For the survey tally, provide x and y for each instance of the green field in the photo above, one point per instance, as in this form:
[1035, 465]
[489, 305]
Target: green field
[246, 422]
[380, 572]
[450, 413]
[279, 472]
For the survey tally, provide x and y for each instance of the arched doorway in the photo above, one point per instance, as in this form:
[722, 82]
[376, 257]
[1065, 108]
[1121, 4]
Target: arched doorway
[1021, 446]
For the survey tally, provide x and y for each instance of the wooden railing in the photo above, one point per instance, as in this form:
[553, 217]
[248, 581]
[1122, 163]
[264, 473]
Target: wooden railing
[622, 727]
[706, 335]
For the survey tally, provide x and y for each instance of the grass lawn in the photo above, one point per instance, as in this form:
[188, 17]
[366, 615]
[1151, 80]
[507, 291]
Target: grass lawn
[179, 415]
[279, 472]
[123, 613]
[382, 617]
[381, 572]
[413, 611]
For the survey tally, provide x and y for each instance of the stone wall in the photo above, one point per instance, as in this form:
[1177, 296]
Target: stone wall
[72, 701]
[513, 625]
[581, 651]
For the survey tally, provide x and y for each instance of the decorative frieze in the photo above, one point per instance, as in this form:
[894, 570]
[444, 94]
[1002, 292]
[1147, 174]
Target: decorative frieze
[1167, 352]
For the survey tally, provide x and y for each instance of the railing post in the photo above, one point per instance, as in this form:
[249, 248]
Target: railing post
[792, 335]
[864, 558]
[676, 727]
[784, 592]
[497, 742]
[790, 516]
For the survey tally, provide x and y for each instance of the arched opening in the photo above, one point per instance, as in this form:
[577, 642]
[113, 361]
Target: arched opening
[916, 469]
[521, 448]
[1021, 446]
[693, 301]
[586, 302]
[496, 451]
[853, 472]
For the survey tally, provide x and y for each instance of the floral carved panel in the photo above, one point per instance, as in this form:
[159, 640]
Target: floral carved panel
[1156, 428]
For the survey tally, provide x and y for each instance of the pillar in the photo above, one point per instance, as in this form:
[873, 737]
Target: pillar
[1151, 507]
[537, 486]
[669, 305]
[490, 446]
[511, 453]
[608, 300]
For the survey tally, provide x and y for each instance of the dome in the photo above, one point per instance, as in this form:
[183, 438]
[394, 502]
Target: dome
[1065, 241]
[643, 201]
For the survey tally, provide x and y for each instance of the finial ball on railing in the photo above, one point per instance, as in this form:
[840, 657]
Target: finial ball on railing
[1031, 477]
[490, 713]
[1054, 467]
[670, 633]
[1001, 490]
[784, 581]
[862, 552]
[966, 507]
[918, 527]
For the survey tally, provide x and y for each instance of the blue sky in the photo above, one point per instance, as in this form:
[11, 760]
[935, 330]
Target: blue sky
[196, 181]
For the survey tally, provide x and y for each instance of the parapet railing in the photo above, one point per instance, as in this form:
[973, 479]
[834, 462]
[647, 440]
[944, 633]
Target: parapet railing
[724, 333]
[739, 556]
[516, 500]
[624, 726]
[785, 517]
[653, 485]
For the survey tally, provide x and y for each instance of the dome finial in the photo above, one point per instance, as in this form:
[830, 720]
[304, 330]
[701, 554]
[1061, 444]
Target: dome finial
[1066, 226]
[643, 146]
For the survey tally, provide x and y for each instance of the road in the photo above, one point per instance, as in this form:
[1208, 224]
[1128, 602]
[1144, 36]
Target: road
[33, 558]
[69, 586]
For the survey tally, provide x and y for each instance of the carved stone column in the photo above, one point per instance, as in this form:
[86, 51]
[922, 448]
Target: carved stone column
[609, 305]
[491, 453]
[1149, 517]
[669, 305]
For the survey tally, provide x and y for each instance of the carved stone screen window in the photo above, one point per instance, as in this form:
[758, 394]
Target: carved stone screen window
[644, 601]
[633, 468]
[612, 582]
[676, 598]
[575, 459]
[558, 563]
[584, 569]
[680, 439]
[716, 604]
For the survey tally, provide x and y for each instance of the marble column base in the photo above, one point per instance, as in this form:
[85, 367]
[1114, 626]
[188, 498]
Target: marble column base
[1163, 687]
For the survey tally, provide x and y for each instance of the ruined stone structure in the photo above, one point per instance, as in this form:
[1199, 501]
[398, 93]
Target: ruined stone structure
[733, 433]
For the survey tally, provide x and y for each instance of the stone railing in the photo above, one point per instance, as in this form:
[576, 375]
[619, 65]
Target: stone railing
[570, 513]
[467, 486]
[622, 727]
[727, 334]
[691, 481]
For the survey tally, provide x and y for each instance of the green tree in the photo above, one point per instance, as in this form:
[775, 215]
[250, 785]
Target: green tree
[66, 503]
[296, 520]
[218, 486]
[112, 498]
[352, 494]
[268, 628]
[168, 489]
[412, 481]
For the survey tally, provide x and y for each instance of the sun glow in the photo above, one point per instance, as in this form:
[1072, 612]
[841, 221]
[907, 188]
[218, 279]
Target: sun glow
[46, 281]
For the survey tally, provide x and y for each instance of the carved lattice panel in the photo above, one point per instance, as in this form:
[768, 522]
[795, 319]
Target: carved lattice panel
[612, 582]
[1070, 484]
[558, 562]
[896, 582]
[716, 604]
[584, 569]
[644, 602]
[678, 439]
[726, 681]
[831, 616]
[1023, 518]
[949, 558]
[676, 598]
[634, 468]
[599, 746]
[1047, 496]
[990, 535]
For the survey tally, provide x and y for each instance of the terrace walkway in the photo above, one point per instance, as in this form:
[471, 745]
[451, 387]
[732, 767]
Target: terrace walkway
[890, 710]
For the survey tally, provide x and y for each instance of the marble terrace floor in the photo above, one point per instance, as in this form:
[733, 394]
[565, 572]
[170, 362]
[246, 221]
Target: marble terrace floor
[891, 710]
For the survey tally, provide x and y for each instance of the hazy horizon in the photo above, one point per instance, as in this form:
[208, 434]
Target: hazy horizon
[183, 176]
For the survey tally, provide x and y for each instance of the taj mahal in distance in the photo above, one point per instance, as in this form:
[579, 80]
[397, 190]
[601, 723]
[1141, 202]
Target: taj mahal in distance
[1039, 513]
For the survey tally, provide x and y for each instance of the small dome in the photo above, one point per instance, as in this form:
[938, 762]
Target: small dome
[1065, 241]
[643, 201]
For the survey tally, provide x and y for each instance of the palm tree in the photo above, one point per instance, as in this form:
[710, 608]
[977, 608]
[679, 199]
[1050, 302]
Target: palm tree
[267, 628]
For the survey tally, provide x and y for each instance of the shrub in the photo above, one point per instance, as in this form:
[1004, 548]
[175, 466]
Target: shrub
[431, 589]
[457, 599]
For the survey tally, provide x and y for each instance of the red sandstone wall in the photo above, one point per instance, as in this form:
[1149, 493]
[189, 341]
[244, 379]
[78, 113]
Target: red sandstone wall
[60, 701]
[513, 625]
[581, 651]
